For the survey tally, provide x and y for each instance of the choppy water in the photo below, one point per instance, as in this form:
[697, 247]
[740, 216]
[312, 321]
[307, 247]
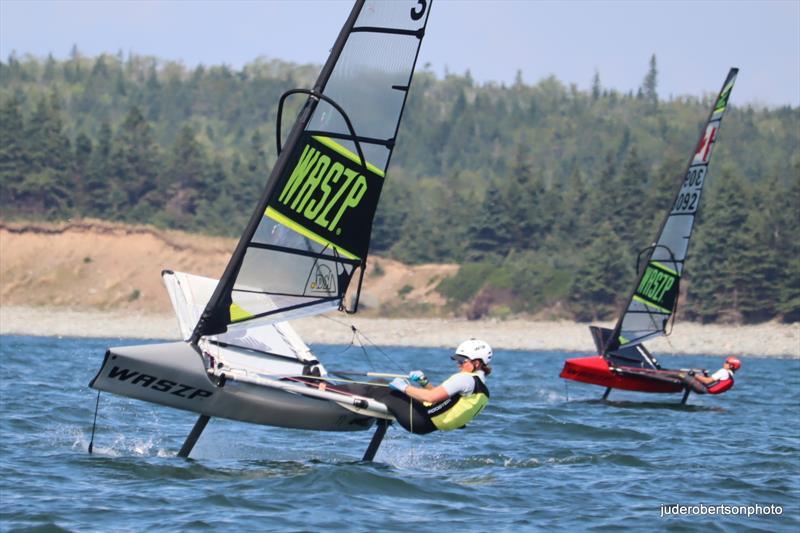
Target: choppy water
[543, 455]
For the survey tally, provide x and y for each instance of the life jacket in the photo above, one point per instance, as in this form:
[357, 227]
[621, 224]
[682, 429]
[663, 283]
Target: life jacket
[721, 385]
[456, 411]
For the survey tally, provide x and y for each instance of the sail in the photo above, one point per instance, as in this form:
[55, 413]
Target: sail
[655, 295]
[310, 232]
[189, 295]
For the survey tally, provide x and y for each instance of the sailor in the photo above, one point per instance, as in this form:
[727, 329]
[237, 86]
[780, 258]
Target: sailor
[718, 382]
[451, 405]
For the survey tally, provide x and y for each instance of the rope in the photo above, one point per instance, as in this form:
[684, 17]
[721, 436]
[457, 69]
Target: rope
[358, 335]
[94, 424]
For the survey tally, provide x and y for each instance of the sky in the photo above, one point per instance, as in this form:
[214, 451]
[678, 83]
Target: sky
[695, 42]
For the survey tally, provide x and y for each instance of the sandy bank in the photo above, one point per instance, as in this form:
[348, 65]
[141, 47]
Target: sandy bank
[771, 339]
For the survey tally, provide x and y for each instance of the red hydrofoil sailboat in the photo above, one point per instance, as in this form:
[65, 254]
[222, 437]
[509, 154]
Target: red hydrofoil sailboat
[623, 362]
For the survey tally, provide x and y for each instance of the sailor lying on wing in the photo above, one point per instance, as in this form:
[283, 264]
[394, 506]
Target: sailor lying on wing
[717, 383]
[450, 405]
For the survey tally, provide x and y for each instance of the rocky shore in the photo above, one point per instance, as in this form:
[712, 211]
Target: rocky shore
[762, 340]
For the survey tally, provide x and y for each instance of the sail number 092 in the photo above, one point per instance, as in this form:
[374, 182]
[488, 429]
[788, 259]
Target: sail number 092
[690, 192]
[687, 202]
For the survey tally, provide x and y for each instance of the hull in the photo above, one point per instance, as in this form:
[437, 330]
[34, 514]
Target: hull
[595, 370]
[173, 374]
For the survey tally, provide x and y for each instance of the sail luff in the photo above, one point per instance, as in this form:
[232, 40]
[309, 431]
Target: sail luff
[715, 116]
[211, 321]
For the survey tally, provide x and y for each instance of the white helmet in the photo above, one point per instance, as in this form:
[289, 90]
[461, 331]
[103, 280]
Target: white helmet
[474, 349]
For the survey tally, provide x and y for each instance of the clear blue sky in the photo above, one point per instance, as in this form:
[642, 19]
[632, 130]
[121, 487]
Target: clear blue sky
[695, 42]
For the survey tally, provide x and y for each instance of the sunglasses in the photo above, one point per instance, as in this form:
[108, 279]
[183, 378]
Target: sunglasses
[460, 360]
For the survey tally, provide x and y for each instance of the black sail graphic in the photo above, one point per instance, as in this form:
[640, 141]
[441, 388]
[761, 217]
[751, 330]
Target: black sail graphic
[310, 232]
[652, 303]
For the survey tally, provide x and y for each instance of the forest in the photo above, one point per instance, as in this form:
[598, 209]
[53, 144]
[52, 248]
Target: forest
[543, 193]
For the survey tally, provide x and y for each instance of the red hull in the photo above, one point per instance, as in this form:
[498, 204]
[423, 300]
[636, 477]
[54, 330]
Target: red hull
[595, 370]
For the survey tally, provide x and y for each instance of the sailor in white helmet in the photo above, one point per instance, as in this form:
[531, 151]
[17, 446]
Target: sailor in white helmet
[455, 402]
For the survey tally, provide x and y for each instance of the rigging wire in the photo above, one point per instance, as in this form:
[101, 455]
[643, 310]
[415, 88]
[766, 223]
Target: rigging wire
[358, 335]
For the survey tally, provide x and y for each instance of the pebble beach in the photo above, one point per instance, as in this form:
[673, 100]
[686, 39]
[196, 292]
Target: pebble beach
[770, 339]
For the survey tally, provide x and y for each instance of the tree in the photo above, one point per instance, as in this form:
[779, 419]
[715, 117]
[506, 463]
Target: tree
[716, 266]
[650, 84]
[596, 87]
[98, 184]
[189, 182]
[47, 185]
[12, 156]
[602, 279]
[134, 165]
[489, 238]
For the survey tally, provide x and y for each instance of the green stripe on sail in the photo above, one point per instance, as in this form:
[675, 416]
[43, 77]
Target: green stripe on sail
[665, 268]
[289, 223]
[623, 340]
[238, 313]
[330, 143]
[651, 304]
[722, 101]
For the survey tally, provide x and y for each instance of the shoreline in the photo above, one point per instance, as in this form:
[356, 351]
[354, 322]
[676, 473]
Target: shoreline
[770, 339]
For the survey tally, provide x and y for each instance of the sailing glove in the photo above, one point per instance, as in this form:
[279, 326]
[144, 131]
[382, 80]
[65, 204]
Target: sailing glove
[418, 377]
[398, 384]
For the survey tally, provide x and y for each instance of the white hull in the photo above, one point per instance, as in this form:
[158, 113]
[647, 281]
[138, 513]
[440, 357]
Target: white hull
[175, 375]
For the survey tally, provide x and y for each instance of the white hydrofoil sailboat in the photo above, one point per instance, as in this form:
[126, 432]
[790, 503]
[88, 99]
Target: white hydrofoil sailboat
[306, 240]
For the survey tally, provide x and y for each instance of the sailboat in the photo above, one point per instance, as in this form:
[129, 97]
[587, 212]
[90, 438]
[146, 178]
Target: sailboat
[623, 361]
[305, 244]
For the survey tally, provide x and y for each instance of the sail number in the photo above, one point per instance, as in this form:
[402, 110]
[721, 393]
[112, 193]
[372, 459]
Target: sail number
[416, 13]
[694, 178]
[687, 202]
[689, 196]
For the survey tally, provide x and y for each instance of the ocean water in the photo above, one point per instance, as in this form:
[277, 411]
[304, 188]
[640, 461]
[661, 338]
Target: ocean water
[545, 454]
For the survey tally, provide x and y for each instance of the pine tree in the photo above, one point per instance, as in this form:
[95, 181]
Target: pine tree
[47, 183]
[649, 89]
[596, 87]
[98, 180]
[12, 156]
[629, 221]
[602, 279]
[489, 228]
[188, 179]
[134, 164]
[787, 244]
[715, 264]
[83, 154]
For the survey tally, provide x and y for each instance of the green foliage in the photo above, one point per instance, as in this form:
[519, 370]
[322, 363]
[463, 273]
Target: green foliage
[465, 285]
[544, 193]
[404, 290]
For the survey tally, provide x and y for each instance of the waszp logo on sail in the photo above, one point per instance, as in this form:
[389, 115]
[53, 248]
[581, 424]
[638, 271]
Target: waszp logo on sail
[322, 189]
[658, 286]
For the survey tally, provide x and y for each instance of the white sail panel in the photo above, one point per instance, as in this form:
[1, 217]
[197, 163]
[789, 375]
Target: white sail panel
[189, 295]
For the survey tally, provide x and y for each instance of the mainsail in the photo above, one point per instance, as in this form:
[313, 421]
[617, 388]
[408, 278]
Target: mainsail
[310, 231]
[652, 303]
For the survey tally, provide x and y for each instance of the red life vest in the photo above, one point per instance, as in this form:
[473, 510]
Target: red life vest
[720, 386]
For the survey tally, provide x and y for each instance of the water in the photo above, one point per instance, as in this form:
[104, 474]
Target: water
[542, 455]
